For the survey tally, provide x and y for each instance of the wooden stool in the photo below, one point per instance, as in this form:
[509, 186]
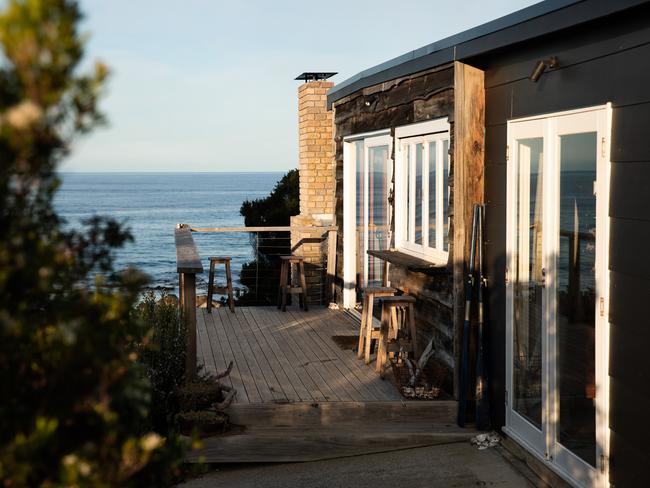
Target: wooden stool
[212, 288]
[390, 325]
[367, 332]
[285, 282]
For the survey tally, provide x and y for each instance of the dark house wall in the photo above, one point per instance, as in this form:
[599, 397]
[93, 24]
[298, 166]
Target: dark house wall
[417, 98]
[607, 61]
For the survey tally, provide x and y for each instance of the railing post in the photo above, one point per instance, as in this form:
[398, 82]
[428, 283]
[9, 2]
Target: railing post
[188, 264]
[189, 318]
[331, 261]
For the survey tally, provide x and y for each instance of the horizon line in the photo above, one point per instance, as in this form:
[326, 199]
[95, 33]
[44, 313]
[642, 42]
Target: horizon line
[169, 171]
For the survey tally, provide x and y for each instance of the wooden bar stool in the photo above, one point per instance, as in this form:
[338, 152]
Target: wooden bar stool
[396, 312]
[367, 333]
[286, 286]
[213, 288]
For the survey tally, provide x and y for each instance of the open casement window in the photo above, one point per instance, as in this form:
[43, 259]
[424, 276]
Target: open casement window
[367, 179]
[422, 190]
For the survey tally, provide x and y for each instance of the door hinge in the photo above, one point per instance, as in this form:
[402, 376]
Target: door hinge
[506, 398]
[603, 146]
[603, 463]
[602, 306]
[506, 279]
[507, 153]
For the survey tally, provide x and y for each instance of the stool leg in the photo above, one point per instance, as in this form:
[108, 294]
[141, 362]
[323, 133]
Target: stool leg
[369, 329]
[210, 287]
[231, 298]
[383, 336]
[303, 285]
[282, 280]
[286, 278]
[413, 332]
[362, 329]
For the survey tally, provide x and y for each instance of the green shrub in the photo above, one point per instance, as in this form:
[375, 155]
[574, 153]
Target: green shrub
[75, 399]
[163, 355]
[199, 395]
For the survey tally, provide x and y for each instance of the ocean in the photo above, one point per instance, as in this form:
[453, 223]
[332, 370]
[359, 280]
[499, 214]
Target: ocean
[151, 204]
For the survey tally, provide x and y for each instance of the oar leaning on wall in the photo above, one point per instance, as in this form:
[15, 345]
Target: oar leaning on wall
[476, 248]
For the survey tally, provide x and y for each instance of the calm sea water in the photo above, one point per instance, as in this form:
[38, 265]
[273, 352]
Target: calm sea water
[151, 204]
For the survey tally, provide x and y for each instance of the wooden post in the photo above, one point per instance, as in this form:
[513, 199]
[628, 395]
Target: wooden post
[189, 317]
[331, 261]
[188, 265]
[468, 167]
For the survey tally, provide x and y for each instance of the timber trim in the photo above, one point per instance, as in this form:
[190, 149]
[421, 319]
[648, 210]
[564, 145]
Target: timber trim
[468, 169]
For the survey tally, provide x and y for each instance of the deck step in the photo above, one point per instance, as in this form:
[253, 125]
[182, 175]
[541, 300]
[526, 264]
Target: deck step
[308, 432]
[353, 414]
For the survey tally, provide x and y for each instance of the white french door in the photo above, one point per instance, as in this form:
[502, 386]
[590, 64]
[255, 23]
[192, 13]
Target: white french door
[557, 289]
[367, 174]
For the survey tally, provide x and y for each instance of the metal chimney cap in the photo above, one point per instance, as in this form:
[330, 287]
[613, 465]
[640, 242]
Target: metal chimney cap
[314, 76]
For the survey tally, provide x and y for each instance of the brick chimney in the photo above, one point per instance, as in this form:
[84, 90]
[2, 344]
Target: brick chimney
[317, 176]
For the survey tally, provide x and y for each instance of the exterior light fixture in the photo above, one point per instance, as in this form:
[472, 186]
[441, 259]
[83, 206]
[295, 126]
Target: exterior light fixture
[541, 66]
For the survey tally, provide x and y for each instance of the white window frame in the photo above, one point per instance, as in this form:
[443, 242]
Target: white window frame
[420, 133]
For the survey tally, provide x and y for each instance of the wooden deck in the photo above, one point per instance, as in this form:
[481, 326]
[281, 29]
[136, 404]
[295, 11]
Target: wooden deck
[303, 397]
[287, 357]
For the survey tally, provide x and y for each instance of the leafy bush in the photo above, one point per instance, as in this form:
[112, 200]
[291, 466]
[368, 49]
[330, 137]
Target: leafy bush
[75, 397]
[199, 395]
[163, 356]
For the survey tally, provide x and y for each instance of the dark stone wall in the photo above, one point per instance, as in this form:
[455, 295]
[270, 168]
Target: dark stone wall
[424, 96]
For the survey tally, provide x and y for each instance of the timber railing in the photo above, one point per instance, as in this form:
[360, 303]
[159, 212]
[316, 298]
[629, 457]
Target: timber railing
[258, 279]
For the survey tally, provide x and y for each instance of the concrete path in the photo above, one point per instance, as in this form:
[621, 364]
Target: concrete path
[450, 465]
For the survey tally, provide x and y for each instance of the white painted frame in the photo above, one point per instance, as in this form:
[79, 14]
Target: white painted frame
[421, 133]
[370, 139]
[544, 444]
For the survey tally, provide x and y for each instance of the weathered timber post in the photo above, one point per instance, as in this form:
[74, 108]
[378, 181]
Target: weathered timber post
[468, 143]
[188, 264]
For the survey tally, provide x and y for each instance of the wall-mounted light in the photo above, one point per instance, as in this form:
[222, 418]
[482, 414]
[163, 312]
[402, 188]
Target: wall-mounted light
[541, 66]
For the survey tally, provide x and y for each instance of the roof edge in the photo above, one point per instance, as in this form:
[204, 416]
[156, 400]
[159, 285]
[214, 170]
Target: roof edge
[445, 50]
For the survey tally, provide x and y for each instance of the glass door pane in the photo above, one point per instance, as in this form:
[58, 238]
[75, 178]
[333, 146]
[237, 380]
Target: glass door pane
[528, 280]
[377, 210]
[360, 216]
[433, 161]
[576, 295]
[445, 193]
[418, 193]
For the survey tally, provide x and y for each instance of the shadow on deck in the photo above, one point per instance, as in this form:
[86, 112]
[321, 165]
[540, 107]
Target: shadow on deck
[302, 394]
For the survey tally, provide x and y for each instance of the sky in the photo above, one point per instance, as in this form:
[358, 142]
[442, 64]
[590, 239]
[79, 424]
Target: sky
[208, 85]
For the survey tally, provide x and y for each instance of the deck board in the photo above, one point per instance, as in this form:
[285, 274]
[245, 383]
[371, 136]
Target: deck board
[278, 360]
[242, 359]
[287, 356]
[294, 357]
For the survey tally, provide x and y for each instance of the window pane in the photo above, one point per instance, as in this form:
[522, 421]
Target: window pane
[432, 194]
[358, 152]
[408, 194]
[527, 287]
[576, 295]
[377, 210]
[445, 193]
[418, 193]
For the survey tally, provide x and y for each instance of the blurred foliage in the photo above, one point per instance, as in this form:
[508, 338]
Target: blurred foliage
[261, 276]
[163, 357]
[75, 399]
